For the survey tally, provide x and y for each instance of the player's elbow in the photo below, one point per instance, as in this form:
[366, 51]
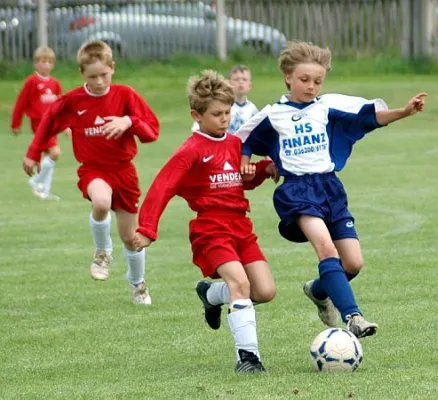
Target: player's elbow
[151, 135]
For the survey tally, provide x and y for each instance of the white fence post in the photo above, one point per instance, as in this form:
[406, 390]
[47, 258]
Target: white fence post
[42, 23]
[428, 26]
[406, 20]
[221, 31]
[418, 17]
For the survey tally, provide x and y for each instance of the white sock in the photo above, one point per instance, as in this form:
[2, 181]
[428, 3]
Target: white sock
[136, 266]
[46, 174]
[48, 181]
[101, 231]
[218, 293]
[242, 322]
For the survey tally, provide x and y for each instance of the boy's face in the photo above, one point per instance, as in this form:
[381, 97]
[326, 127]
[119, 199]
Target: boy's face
[305, 82]
[241, 82]
[44, 66]
[215, 120]
[97, 77]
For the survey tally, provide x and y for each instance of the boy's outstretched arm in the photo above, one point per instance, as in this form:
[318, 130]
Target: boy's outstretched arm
[416, 104]
[163, 188]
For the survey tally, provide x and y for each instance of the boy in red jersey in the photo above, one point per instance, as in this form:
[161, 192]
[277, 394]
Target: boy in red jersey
[104, 119]
[40, 90]
[205, 171]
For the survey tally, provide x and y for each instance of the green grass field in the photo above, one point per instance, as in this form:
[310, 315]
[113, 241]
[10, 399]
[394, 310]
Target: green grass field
[64, 336]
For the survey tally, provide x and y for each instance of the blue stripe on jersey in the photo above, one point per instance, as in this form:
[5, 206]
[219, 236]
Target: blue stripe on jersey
[263, 144]
[345, 129]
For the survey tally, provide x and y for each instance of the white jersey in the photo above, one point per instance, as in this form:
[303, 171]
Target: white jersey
[240, 113]
[311, 138]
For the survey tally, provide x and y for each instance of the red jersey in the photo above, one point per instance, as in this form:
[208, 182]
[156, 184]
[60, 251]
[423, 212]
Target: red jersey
[205, 171]
[84, 113]
[34, 99]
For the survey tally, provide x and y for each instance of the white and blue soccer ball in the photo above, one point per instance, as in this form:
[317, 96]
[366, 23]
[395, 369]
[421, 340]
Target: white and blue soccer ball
[336, 350]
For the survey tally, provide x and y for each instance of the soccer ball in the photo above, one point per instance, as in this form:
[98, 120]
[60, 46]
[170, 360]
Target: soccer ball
[336, 350]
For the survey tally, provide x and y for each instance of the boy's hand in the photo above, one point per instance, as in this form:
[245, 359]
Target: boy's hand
[248, 172]
[29, 165]
[16, 131]
[141, 241]
[416, 104]
[116, 126]
[272, 171]
[67, 132]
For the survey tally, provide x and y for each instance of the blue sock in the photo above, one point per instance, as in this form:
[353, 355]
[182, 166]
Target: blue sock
[318, 290]
[334, 281]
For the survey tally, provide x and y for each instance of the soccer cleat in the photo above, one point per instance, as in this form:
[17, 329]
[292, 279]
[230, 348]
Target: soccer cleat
[249, 362]
[212, 312]
[326, 310]
[37, 187]
[46, 196]
[38, 191]
[140, 294]
[100, 265]
[360, 327]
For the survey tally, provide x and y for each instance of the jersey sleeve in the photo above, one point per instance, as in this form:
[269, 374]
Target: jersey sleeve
[54, 121]
[163, 188]
[59, 88]
[21, 103]
[260, 175]
[353, 126]
[351, 104]
[258, 135]
[145, 124]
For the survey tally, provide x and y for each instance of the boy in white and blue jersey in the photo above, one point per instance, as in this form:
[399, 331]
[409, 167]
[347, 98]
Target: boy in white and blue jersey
[309, 139]
[242, 109]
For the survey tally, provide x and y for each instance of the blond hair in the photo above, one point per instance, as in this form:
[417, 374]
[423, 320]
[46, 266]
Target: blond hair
[208, 87]
[94, 51]
[299, 52]
[238, 68]
[44, 53]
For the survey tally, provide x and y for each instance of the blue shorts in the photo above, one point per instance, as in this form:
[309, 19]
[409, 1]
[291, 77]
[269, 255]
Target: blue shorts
[319, 195]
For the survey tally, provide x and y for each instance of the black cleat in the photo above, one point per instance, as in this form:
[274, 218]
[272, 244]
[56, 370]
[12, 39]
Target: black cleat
[249, 363]
[212, 312]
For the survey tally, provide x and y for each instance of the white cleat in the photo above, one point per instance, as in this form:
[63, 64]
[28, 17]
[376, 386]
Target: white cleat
[46, 196]
[100, 266]
[38, 191]
[140, 294]
[35, 185]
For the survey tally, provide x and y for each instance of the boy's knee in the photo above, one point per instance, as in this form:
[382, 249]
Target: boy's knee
[54, 153]
[101, 206]
[353, 266]
[264, 295]
[239, 288]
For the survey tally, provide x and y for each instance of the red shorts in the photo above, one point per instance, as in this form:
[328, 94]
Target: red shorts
[52, 142]
[217, 240]
[123, 182]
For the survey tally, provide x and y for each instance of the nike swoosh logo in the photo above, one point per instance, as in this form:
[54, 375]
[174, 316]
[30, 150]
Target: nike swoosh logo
[80, 112]
[206, 159]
